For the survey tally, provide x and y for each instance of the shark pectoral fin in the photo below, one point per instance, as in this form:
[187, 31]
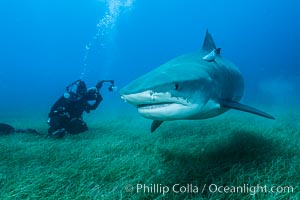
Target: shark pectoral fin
[241, 107]
[155, 124]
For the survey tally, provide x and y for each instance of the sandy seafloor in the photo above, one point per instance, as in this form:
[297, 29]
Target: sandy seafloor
[119, 154]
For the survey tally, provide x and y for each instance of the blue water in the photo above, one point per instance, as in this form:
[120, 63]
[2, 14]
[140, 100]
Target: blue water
[47, 44]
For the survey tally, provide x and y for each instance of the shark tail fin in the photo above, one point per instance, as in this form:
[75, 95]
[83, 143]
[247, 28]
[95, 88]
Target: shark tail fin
[155, 124]
[208, 44]
[241, 107]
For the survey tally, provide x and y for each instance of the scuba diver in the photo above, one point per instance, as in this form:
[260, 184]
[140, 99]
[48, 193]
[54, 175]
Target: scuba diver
[66, 114]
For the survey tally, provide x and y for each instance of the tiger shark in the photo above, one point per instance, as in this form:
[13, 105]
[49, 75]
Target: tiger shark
[192, 86]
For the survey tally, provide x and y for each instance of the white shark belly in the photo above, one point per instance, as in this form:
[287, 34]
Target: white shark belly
[209, 110]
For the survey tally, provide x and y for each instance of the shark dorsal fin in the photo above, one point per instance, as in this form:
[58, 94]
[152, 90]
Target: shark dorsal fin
[208, 44]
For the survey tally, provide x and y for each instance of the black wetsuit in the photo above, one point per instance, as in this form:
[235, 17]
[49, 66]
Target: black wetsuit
[66, 114]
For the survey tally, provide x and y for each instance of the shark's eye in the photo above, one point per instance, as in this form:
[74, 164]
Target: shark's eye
[176, 86]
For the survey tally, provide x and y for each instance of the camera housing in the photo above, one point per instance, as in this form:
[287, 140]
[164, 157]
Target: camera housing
[112, 88]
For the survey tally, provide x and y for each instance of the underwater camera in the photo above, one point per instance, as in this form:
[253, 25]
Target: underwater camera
[111, 88]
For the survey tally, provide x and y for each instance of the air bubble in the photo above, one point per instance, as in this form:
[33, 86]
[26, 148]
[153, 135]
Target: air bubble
[105, 26]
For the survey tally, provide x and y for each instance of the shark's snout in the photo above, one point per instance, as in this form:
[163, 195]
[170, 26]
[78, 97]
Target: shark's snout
[147, 97]
[139, 98]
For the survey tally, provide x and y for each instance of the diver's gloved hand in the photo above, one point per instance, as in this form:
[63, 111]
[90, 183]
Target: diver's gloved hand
[92, 93]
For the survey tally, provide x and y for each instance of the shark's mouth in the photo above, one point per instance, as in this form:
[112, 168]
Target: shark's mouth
[164, 110]
[154, 105]
[150, 99]
[160, 106]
